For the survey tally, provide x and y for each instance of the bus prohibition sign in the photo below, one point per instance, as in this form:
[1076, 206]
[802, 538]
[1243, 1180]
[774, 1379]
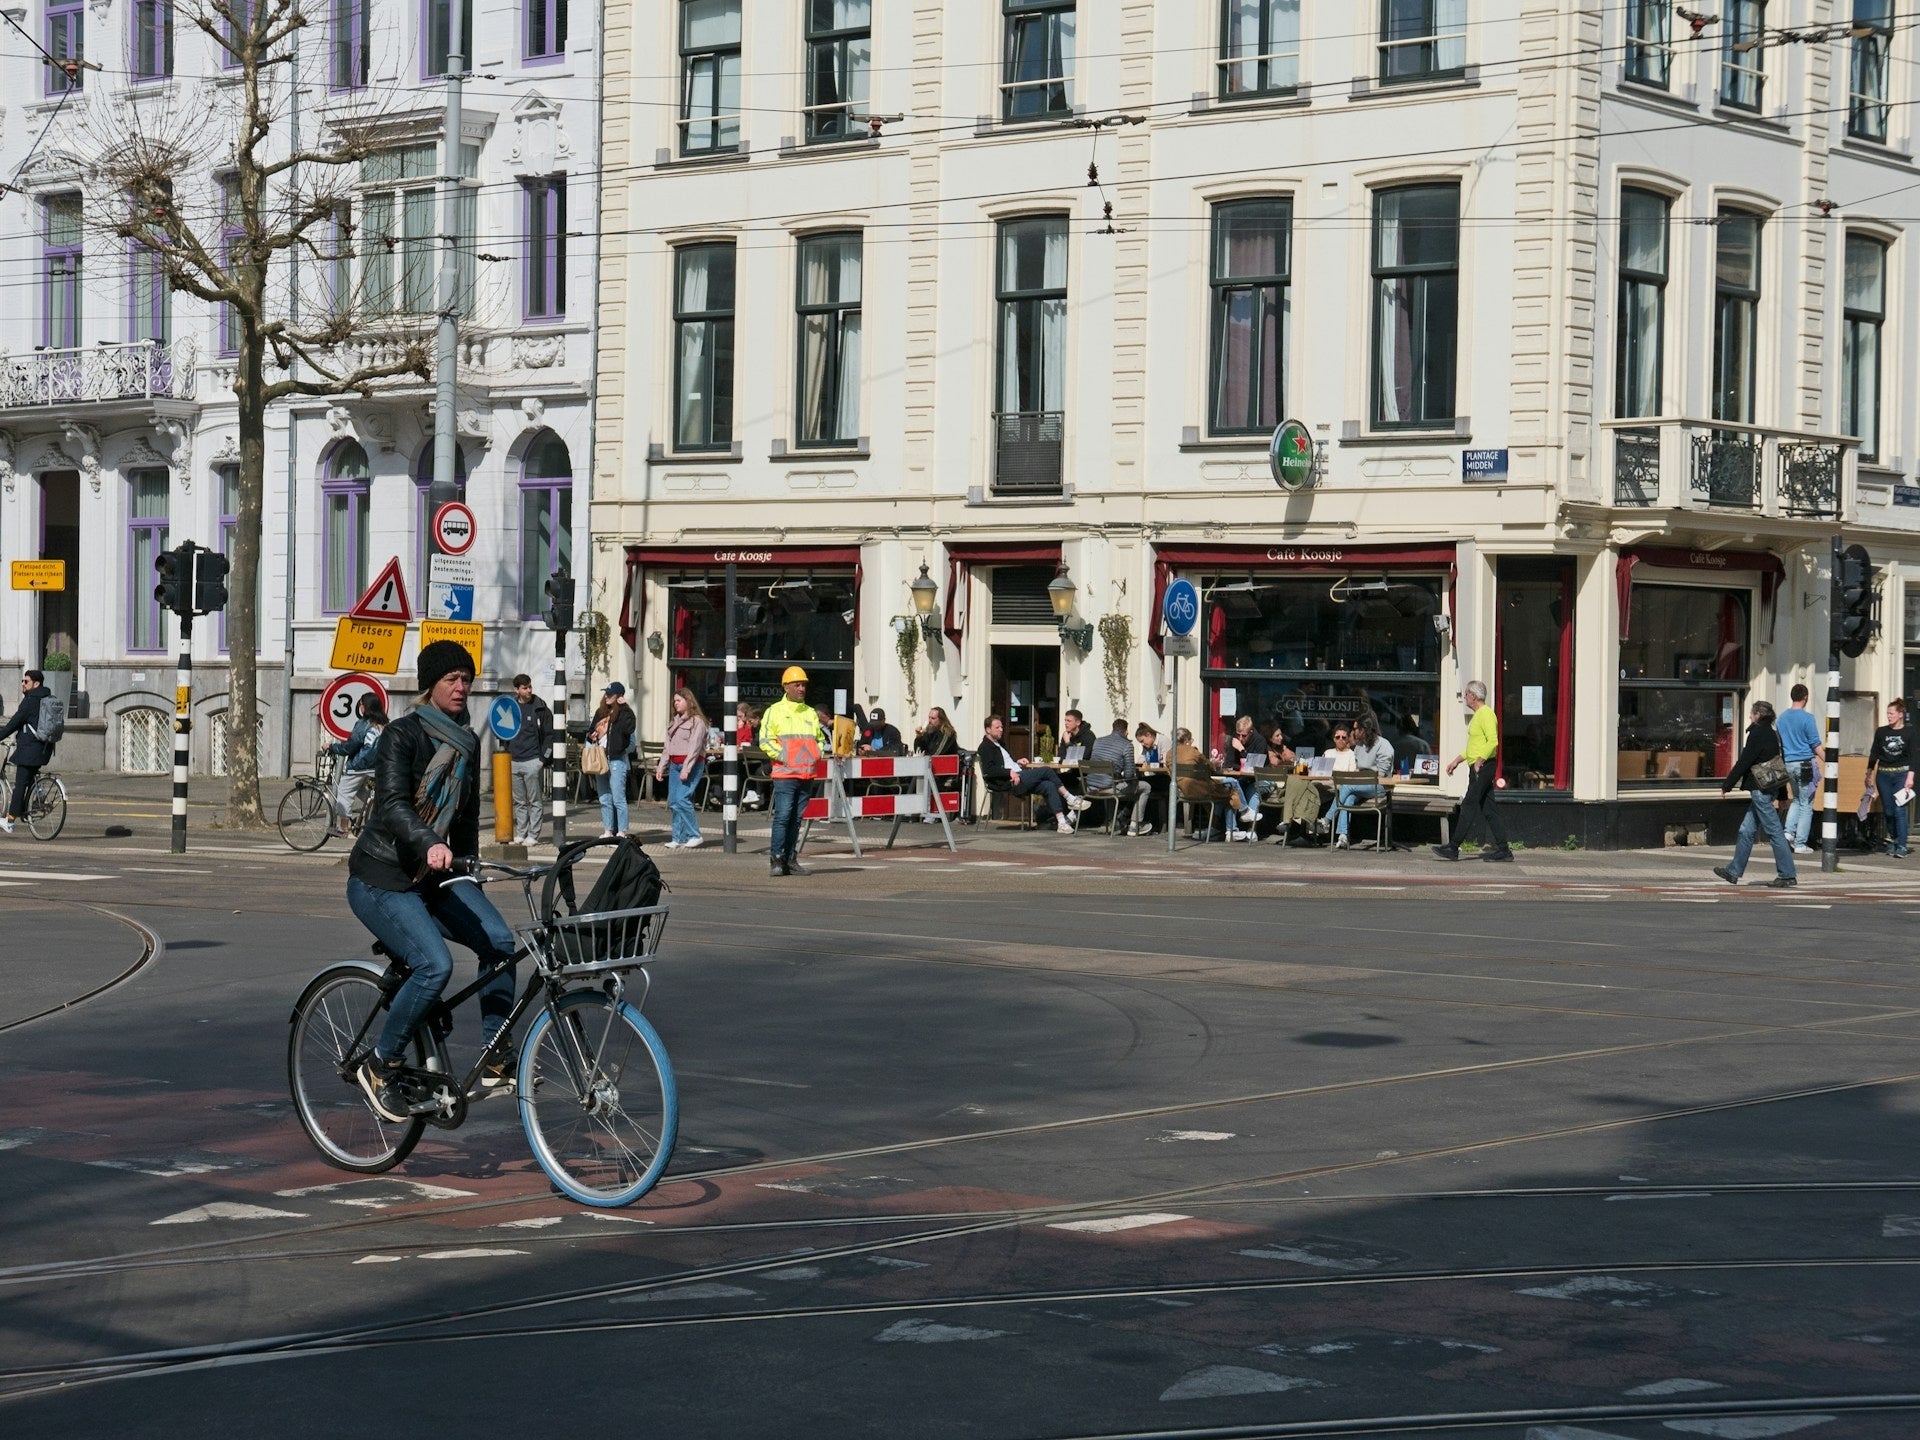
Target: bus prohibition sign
[453, 528]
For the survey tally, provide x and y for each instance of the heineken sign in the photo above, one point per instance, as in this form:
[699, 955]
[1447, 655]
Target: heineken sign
[1292, 456]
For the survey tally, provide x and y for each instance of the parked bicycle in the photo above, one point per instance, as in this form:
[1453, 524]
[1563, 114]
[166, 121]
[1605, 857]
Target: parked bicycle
[595, 1088]
[309, 816]
[46, 802]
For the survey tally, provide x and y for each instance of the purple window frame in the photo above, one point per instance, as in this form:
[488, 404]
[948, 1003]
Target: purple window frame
[161, 21]
[552, 17]
[71, 277]
[228, 341]
[422, 482]
[141, 579]
[359, 491]
[533, 587]
[545, 272]
[427, 7]
[66, 40]
[157, 323]
[347, 52]
[229, 526]
[242, 22]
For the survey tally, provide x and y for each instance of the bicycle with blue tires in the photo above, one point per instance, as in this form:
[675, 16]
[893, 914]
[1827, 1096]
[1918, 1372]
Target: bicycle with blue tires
[594, 1085]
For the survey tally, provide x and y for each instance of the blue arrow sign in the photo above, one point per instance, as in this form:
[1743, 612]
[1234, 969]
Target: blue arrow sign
[503, 718]
[1180, 610]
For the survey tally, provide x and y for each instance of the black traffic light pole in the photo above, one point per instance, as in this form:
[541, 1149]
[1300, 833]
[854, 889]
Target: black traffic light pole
[1830, 783]
[193, 581]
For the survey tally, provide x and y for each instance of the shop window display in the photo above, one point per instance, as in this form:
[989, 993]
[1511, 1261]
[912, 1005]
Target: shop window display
[786, 618]
[1683, 683]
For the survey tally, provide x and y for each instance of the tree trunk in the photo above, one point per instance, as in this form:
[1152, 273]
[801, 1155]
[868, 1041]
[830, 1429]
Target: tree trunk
[244, 811]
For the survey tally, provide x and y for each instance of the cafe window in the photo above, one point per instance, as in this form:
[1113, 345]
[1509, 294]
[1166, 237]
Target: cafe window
[785, 617]
[1303, 652]
[1910, 668]
[1683, 683]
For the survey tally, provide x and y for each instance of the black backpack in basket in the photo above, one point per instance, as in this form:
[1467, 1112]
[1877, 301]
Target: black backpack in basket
[630, 881]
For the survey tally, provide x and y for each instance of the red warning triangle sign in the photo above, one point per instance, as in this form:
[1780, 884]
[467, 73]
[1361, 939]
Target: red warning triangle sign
[386, 598]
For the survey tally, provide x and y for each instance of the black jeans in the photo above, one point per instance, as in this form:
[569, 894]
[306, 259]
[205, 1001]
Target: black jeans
[23, 778]
[1477, 806]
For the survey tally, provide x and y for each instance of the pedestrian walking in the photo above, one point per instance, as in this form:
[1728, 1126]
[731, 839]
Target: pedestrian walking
[612, 730]
[683, 760]
[1890, 770]
[34, 748]
[1476, 808]
[1759, 763]
[529, 750]
[790, 737]
[1800, 743]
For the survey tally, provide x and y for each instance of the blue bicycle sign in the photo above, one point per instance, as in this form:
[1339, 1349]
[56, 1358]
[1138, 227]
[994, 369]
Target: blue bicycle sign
[1180, 610]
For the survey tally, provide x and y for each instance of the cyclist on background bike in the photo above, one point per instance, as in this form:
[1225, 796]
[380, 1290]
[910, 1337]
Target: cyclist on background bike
[425, 815]
[356, 775]
[30, 752]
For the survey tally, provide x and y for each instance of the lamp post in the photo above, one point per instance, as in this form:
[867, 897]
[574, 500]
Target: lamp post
[926, 593]
[1061, 593]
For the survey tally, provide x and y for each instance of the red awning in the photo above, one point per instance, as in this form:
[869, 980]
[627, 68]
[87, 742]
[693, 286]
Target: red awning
[1011, 552]
[1771, 569]
[1307, 557]
[633, 599]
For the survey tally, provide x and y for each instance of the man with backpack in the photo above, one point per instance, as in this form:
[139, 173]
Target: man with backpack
[38, 722]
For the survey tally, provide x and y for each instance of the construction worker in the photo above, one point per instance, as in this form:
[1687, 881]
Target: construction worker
[790, 735]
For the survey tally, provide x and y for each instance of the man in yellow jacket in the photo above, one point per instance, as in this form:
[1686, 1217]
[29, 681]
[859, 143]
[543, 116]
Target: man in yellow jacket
[790, 734]
[1483, 743]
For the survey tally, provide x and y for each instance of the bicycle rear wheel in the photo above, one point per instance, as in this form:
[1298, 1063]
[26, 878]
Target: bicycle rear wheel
[46, 808]
[597, 1098]
[305, 816]
[336, 1022]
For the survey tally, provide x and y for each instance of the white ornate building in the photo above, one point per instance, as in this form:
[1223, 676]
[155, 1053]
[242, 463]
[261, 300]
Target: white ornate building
[117, 433]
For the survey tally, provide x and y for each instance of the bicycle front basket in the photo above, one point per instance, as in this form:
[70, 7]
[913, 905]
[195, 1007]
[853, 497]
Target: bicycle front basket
[606, 940]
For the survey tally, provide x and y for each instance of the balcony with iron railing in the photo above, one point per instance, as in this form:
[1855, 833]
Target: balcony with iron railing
[1029, 452]
[99, 375]
[1715, 465]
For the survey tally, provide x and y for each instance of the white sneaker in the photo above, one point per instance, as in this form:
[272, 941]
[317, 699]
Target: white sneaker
[694, 844]
[1803, 850]
[671, 845]
[1077, 803]
[6, 825]
[1249, 818]
[1339, 842]
[1065, 826]
[1241, 835]
[1139, 830]
[606, 835]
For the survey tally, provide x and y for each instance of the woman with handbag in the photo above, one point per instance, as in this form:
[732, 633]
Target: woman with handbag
[604, 757]
[1762, 768]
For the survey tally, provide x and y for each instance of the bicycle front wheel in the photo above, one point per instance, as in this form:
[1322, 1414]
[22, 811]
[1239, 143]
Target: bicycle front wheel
[597, 1098]
[305, 816]
[46, 808]
[334, 1026]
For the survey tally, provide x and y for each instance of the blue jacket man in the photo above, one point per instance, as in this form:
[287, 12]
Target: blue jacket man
[1799, 743]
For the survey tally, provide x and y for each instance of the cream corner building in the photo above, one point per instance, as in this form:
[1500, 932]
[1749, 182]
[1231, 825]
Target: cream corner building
[1601, 328]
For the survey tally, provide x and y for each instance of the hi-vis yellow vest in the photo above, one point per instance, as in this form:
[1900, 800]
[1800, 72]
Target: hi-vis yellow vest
[790, 735]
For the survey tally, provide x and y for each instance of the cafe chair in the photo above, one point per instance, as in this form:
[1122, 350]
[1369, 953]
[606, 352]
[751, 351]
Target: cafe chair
[1107, 795]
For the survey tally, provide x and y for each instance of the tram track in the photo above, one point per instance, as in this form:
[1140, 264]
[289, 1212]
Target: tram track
[152, 948]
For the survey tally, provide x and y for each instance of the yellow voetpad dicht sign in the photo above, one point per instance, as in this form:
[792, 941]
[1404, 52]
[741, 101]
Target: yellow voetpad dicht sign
[466, 632]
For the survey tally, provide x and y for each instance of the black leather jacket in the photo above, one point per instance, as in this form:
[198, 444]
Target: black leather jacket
[391, 853]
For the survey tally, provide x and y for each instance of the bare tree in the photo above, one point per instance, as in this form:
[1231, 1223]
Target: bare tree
[208, 181]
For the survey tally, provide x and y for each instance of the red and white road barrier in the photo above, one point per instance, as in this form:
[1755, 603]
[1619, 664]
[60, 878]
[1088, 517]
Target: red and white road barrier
[924, 798]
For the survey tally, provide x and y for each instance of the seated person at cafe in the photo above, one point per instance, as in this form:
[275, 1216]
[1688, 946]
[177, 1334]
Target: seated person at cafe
[880, 737]
[1244, 747]
[1006, 776]
[1298, 799]
[1075, 734]
[1199, 785]
[1127, 787]
[1148, 739]
[1357, 746]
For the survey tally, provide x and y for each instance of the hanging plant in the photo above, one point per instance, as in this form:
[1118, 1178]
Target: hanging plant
[1116, 640]
[595, 637]
[906, 646]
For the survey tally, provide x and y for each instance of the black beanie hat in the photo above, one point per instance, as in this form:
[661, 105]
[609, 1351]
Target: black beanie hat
[441, 659]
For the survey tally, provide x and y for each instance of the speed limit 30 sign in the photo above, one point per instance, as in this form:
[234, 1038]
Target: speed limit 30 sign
[453, 528]
[342, 696]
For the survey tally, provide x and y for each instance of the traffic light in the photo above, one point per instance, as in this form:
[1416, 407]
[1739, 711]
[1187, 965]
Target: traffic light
[1854, 604]
[560, 601]
[171, 592]
[210, 582]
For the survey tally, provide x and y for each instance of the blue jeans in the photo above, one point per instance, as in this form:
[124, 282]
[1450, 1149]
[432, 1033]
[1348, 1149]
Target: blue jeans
[789, 799]
[1344, 798]
[612, 790]
[686, 824]
[1046, 785]
[416, 926]
[1762, 816]
[1239, 788]
[1800, 813]
[1896, 813]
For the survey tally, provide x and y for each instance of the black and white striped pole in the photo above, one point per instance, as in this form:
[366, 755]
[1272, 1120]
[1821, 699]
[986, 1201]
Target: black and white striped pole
[560, 618]
[730, 703]
[175, 595]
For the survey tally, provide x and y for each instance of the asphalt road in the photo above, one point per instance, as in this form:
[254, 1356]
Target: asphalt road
[1100, 1155]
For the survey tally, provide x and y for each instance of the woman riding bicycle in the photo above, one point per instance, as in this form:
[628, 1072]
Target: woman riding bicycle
[425, 815]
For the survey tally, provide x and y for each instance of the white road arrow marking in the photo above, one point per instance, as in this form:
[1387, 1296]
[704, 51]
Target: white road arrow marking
[227, 1210]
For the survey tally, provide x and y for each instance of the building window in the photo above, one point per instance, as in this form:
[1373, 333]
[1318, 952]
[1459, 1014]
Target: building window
[829, 325]
[66, 40]
[149, 296]
[546, 519]
[345, 485]
[1251, 262]
[152, 39]
[62, 258]
[546, 29]
[229, 477]
[1871, 46]
[239, 33]
[1643, 303]
[703, 347]
[232, 232]
[1736, 314]
[544, 289]
[348, 44]
[1416, 301]
[423, 483]
[1259, 48]
[1865, 313]
[709, 76]
[435, 18]
[1743, 63]
[336, 260]
[1650, 42]
[1422, 40]
[1030, 388]
[1038, 75]
[785, 616]
[839, 55]
[1683, 680]
[146, 538]
[399, 210]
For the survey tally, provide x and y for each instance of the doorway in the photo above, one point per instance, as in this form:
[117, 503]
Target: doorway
[60, 540]
[1534, 700]
[1026, 694]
